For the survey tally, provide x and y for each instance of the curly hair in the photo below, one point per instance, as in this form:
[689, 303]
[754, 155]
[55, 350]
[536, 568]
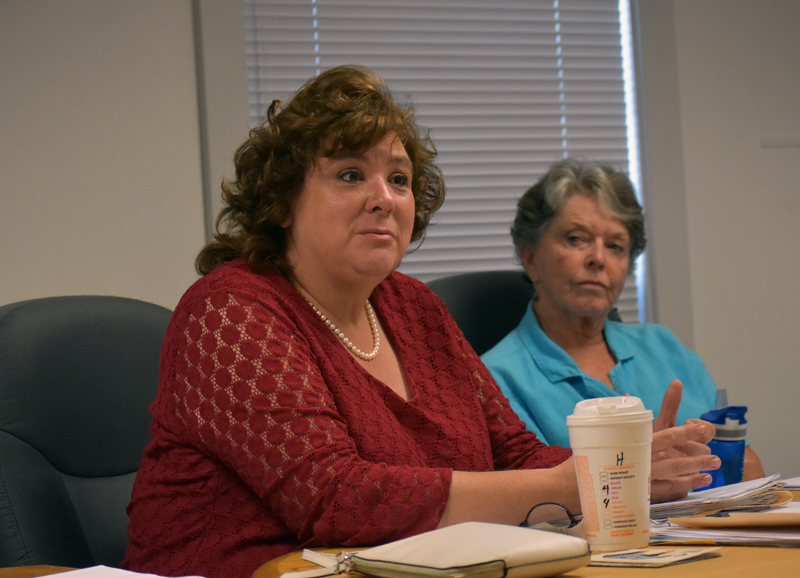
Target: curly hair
[347, 107]
[542, 202]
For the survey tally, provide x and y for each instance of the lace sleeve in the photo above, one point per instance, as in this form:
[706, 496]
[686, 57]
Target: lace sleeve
[249, 392]
[513, 446]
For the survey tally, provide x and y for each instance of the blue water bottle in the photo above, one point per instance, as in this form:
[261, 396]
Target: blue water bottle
[728, 443]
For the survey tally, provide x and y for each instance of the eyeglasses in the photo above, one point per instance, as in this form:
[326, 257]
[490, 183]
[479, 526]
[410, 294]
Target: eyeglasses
[552, 513]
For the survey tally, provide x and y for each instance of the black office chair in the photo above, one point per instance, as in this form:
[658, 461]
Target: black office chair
[76, 377]
[487, 305]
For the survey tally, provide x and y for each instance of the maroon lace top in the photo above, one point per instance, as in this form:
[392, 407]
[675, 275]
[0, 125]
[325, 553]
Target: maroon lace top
[267, 435]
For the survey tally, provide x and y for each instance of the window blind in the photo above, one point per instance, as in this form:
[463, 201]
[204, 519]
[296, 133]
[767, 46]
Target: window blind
[505, 87]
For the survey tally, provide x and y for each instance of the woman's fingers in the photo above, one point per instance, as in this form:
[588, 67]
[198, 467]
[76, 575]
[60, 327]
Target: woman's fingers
[683, 450]
[698, 431]
[675, 467]
[673, 478]
[691, 448]
[680, 454]
[668, 415]
[676, 488]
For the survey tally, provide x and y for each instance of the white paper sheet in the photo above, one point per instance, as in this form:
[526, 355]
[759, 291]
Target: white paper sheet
[107, 572]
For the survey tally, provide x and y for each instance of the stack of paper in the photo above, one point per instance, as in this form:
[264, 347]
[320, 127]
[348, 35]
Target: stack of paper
[780, 516]
[793, 485]
[755, 494]
[759, 512]
[666, 532]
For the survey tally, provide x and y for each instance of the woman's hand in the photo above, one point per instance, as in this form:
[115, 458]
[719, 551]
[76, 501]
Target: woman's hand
[674, 471]
[679, 453]
[668, 415]
[667, 418]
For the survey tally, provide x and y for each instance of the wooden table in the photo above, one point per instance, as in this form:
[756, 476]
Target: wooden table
[31, 571]
[735, 562]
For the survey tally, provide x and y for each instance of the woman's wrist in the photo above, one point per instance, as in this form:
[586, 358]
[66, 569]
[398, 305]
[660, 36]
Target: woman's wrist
[505, 497]
[569, 482]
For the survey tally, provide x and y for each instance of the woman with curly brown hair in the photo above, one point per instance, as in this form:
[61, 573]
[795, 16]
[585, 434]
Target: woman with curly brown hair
[311, 395]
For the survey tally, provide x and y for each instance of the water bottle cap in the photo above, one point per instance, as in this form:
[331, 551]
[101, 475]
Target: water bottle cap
[729, 421]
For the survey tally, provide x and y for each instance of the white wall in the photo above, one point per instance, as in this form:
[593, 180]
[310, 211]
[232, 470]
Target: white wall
[101, 189]
[730, 80]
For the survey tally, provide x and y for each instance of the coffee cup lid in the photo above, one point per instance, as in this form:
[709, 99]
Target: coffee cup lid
[622, 408]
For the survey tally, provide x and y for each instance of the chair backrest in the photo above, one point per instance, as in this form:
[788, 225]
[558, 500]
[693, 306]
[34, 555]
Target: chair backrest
[77, 375]
[486, 305]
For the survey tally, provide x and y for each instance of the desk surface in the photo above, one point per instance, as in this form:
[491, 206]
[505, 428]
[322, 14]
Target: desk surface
[31, 571]
[735, 562]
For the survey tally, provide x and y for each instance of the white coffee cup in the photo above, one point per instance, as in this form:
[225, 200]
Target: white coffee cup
[611, 439]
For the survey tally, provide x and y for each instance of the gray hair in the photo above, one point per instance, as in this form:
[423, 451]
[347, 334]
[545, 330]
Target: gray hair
[542, 202]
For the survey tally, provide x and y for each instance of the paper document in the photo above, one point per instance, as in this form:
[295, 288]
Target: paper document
[754, 494]
[755, 513]
[106, 572]
[785, 515]
[652, 557]
[664, 532]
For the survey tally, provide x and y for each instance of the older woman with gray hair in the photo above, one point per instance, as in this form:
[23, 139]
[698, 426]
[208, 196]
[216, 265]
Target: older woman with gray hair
[577, 233]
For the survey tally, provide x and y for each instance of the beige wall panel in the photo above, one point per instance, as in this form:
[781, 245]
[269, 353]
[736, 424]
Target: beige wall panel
[739, 81]
[101, 190]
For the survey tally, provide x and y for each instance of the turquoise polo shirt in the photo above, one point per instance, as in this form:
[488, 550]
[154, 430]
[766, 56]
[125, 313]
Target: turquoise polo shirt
[543, 383]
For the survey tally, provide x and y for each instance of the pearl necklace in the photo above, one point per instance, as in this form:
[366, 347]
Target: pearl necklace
[373, 325]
